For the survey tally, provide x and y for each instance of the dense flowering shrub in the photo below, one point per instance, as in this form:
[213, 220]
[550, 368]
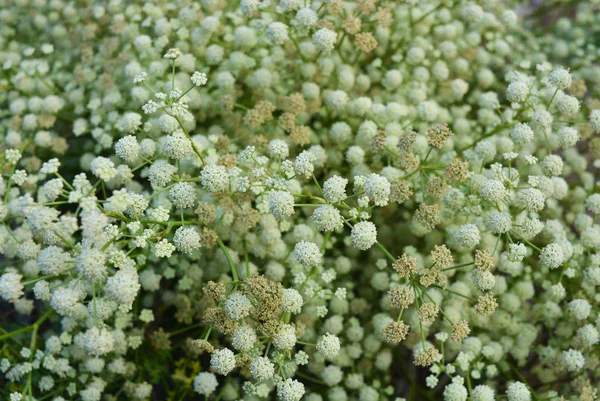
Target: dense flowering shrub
[319, 200]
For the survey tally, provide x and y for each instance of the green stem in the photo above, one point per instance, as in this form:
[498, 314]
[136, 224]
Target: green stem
[385, 251]
[229, 260]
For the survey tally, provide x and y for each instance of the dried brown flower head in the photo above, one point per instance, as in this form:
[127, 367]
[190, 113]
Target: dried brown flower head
[395, 332]
[406, 266]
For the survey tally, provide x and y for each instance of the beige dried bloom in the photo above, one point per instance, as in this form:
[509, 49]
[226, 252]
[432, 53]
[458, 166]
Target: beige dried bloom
[436, 187]
[409, 161]
[400, 191]
[287, 120]
[208, 238]
[588, 391]
[227, 160]
[439, 134]
[206, 212]
[401, 296]
[352, 25]
[226, 104]
[441, 256]
[219, 319]
[366, 6]
[406, 141]
[428, 312]
[484, 260]
[457, 171]
[266, 109]
[434, 276]
[159, 340]
[406, 266]
[335, 7]
[428, 216]
[247, 220]
[395, 332]
[253, 119]
[384, 17]
[300, 134]
[267, 296]
[427, 357]
[323, 23]
[460, 331]
[365, 42]
[294, 103]
[379, 141]
[202, 346]
[486, 304]
[217, 291]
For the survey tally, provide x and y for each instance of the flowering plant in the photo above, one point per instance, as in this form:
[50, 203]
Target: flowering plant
[344, 200]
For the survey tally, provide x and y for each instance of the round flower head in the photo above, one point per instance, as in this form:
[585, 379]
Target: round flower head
[127, 148]
[98, 342]
[261, 368]
[131, 122]
[304, 164]
[363, 235]
[499, 222]
[568, 105]
[329, 346]
[307, 254]
[334, 189]
[205, 383]
[521, 134]
[237, 306]
[183, 195]
[281, 204]
[290, 390]
[560, 78]
[517, 91]
[222, 361]
[327, 218]
[91, 264]
[580, 309]
[595, 120]
[377, 188]
[177, 145]
[483, 280]
[244, 338]
[161, 173]
[277, 33]
[186, 239]
[214, 178]
[455, 391]
[11, 288]
[292, 301]
[306, 17]
[592, 203]
[552, 256]
[103, 168]
[588, 335]
[493, 191]
[324, 40]
[285, 339]
[532, 199]
[518, 391]
[573, 360]
[278, 148]
[552, 165]
[516, 252]
[482, 393]
[468, 235]
[199, 78]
